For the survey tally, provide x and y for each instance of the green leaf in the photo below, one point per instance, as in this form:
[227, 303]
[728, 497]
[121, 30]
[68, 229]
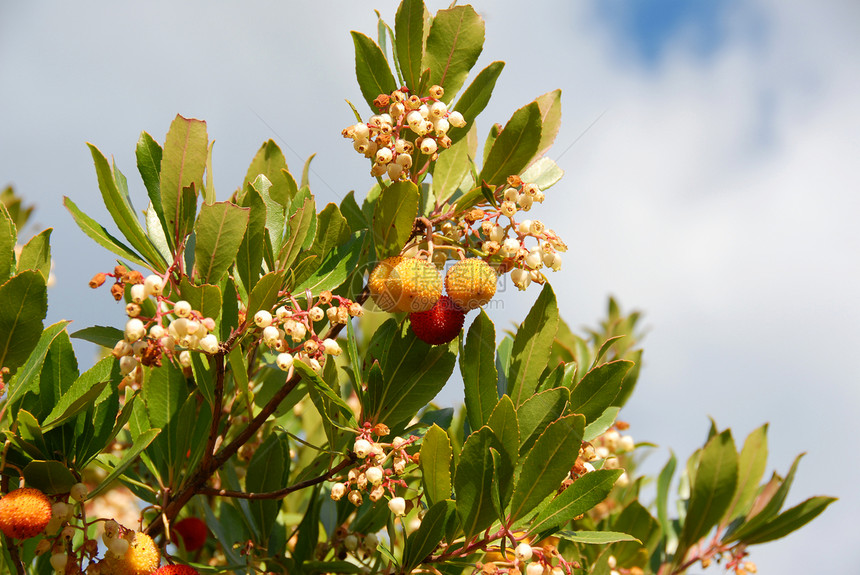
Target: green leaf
[8, 239]
[409, 41]
[532, 346]
[300, 228]
[336, 267]
[550, 112]
[122, 212]
[57, 375]
[536, 413]
[515, 146]
[475, 98]
[83, 392]
[664, 480]
[712, 491]
[155, 231]
[371, 69]
[49, 477]
[503, 422]
[306, 171]
[270, 162]
[599, 426]
[598, 389]
[413, 373]
[352, 212]
[250, 256]
[320, 385]
[219, 230]
[595, 537]
[182, 165]
[427, 537]
[583, 495]
[454, 43]
[751, 468]
[141, 442]
[544, 172]
[435, 461]
[332, 231]
[268, 471]
[393, 217]
[265, 293]
[789, 521]
[450, 170]
[101, 236]
[473, 483]
[25, 304]
[148, 154]
[36, 254]
[478, 367]
[635, 520]
[205, 298]
[104, 336]
[547, 463]
[767, 505]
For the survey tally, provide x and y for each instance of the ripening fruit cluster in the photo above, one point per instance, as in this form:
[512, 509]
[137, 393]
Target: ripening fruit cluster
[289, 331]
[387, 138]
[381, 465]
[128, 552]
[414, 285]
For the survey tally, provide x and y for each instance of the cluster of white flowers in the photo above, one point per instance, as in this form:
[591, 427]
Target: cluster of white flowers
[383, 138]
[289, 325]
[507, 241]
[372, 475]
[143, 341]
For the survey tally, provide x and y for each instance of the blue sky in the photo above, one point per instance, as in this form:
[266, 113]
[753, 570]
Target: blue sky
[717, 192]
[648, 27]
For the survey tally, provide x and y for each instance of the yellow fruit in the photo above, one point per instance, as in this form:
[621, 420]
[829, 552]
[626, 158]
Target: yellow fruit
[405, 284]
[24, 513]
[415, 285]
[378, 283]
[471, 283]
[142, 557]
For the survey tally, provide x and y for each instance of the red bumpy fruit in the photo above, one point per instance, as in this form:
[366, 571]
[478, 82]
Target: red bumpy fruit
[440, 324]
[24, 513]
[193, 531]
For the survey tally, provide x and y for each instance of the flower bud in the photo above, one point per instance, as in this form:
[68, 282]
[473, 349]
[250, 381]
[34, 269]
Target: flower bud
[355, 497]
[79, 492]
[331, 347]
[350, 542]
[209, 343]
[185, 359]
[182, 308]
[58, 561]
[397, 505]
[153, 285]
[428, 146]
[456, 119]
[284, 361]
[362, 448]
[118, 546]
[263, 318]
[127, 364]
[271, 334]
[521, 278]
[134, 330]
[337, 491]
[374, 475]
[138, 293]
[535, 568]
[523, 551]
